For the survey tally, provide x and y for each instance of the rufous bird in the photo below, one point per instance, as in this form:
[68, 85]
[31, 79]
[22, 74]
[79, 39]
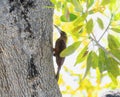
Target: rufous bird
[60, 45]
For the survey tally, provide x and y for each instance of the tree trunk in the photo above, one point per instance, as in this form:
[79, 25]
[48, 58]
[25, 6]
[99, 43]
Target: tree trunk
[26, 59]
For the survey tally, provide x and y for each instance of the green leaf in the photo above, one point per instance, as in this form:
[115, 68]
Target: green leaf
[116, 53]
[71, 17]
[82, 55]
[64, 8]
[117, 16]
[77, 29]
[89, 26]
[100, 23]
[70, 49]
[77, 5]
[90, 3]
[91, 11]
[80, 19]
[94, 60]
[89, 64]
[113, 6]
[112, 67]
[63, 18]
[69, 0]
[102, 60]
[116, 30]
[113, 43]
[112, 78]
[105, 2]
[66, 14]
[58, 5]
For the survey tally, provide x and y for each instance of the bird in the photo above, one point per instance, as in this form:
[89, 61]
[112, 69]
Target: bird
[60, 45]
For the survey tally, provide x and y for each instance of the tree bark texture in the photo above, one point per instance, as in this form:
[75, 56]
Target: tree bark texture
[26, 62]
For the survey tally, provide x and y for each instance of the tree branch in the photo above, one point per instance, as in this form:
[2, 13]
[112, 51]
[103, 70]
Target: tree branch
[106, 29]
[107, 52]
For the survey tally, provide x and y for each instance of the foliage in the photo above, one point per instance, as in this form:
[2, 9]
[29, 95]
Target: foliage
[94, 28]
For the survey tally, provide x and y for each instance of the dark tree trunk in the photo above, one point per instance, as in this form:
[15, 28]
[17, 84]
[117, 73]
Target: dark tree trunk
[26, 62]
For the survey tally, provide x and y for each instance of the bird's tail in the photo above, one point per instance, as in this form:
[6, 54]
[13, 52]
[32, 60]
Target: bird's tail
[58, 72]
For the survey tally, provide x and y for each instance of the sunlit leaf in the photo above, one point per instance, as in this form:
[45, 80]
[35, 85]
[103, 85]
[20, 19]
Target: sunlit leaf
[58, 5]
[82, 55]
[113, 5]
[77, 5]
[70, 49]
[53, 1]
[90, 3]
[89, 64]
[112, 78]
[89, 26]
[69, 0]
[56, 20]
[80, 19]
[113, 43]
[77, 28]
[117, 16]
[105, 2]
[100, 23]
[98, 74]
[116, 30]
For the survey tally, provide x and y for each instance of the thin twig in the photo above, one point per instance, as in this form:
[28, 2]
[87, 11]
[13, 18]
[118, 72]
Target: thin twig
[107, 52]
[106, 29]
[93, 36]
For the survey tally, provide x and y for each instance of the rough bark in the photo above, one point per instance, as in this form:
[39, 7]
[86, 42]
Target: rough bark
[26, 63]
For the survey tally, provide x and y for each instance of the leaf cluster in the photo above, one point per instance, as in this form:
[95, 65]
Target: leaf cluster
[92, 23]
